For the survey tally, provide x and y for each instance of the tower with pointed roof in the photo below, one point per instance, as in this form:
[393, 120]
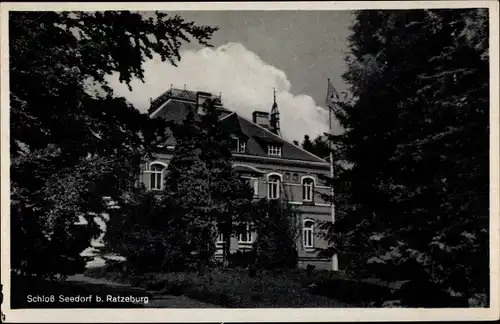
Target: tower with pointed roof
[274, 117]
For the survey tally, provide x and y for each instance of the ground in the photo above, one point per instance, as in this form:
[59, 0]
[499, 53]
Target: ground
[218, 287]
[81, 285]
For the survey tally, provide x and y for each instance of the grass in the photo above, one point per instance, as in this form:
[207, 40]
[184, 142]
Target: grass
[234, 288]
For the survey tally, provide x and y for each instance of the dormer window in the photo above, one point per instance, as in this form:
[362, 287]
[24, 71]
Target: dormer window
[201, 97]
[239, 145]
[274, 150]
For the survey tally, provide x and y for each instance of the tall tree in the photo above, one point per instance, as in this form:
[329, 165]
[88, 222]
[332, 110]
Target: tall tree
[307, 144]
[277, 226]
[416, 139]
[71, 146]
[318, 147]
[207, 192]
[230, 195]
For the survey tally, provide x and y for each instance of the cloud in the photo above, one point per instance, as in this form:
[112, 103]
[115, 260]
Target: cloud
[245, 81]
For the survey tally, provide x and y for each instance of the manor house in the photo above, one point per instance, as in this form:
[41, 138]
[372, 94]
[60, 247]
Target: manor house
[273, 166]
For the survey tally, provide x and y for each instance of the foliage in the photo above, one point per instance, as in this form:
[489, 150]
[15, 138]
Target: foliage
[277, 227]
[209, 197]
[70, 145]
[318, 147]
[176, 229]
[243, 259]
[414, 202]
[145, 232]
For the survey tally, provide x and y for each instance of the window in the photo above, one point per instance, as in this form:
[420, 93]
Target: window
[255, 186]
[156, 182]
[245, 236]
[273, 187]
[307, 189]
[220, 239]
[274, 150]
[308, 234]
[239, 145]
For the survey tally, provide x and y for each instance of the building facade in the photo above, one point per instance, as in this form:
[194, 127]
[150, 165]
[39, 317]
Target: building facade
[274, 168]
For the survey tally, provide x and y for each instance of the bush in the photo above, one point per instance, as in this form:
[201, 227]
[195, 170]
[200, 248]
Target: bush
[423, 293]
[236, 288]
[353, 291]
[277, 233]
[242, 259]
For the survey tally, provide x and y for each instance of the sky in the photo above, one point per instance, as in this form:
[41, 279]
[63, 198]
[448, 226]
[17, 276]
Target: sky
[254, 52]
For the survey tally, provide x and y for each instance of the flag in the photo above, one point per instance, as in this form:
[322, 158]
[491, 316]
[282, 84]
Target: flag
[332, 94]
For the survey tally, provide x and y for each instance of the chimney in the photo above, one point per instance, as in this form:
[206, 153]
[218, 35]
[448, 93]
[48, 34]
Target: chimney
[261, 118]
[201, 97]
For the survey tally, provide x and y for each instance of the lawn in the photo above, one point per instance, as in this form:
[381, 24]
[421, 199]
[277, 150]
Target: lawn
[235, 288]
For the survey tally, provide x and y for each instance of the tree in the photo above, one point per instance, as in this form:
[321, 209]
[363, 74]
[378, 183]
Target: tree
[318, 147]
[207, 193]
[307, 144]
[230, 196]
[416, 193]
[277, 228]
[144, 231]
[70, 146]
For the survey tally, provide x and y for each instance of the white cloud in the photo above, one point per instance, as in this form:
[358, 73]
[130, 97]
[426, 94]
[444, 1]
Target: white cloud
[245, 81]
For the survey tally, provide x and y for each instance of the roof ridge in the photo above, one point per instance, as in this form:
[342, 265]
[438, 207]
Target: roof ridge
[281, 138]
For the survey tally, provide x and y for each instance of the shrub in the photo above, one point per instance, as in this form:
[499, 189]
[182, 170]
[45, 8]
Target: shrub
[422, 293]
[236, 288]
[242, 259]
[277, 233]
[353, 291]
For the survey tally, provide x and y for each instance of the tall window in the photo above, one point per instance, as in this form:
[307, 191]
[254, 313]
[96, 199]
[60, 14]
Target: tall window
[220, 239]
[255, 186]
[273, 187]
[308, 234]
[274, 150]
[156, 182]
[307, 189]
[239, 145]
[245, 235]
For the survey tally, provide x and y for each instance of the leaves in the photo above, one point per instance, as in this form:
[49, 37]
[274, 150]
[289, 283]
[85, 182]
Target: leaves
[415, 196]
[203, 195]
[71, 146]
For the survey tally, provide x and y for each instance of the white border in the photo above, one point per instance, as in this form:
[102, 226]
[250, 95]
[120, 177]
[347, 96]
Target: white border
[254, 315]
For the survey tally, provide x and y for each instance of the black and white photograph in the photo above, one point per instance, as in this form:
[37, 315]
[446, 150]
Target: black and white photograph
[222, 158]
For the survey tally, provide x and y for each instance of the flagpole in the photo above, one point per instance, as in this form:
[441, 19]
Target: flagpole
[335, 266]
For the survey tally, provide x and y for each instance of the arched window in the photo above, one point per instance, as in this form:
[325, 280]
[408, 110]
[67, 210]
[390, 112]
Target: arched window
[307, 189]
[308, 234]
[156, 180]
[273, 186]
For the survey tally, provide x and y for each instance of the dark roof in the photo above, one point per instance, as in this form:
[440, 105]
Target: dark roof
[176, 110]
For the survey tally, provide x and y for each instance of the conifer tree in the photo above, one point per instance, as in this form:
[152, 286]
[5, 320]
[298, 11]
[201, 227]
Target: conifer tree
[203, 184]
[413, 203]
[277, 227]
